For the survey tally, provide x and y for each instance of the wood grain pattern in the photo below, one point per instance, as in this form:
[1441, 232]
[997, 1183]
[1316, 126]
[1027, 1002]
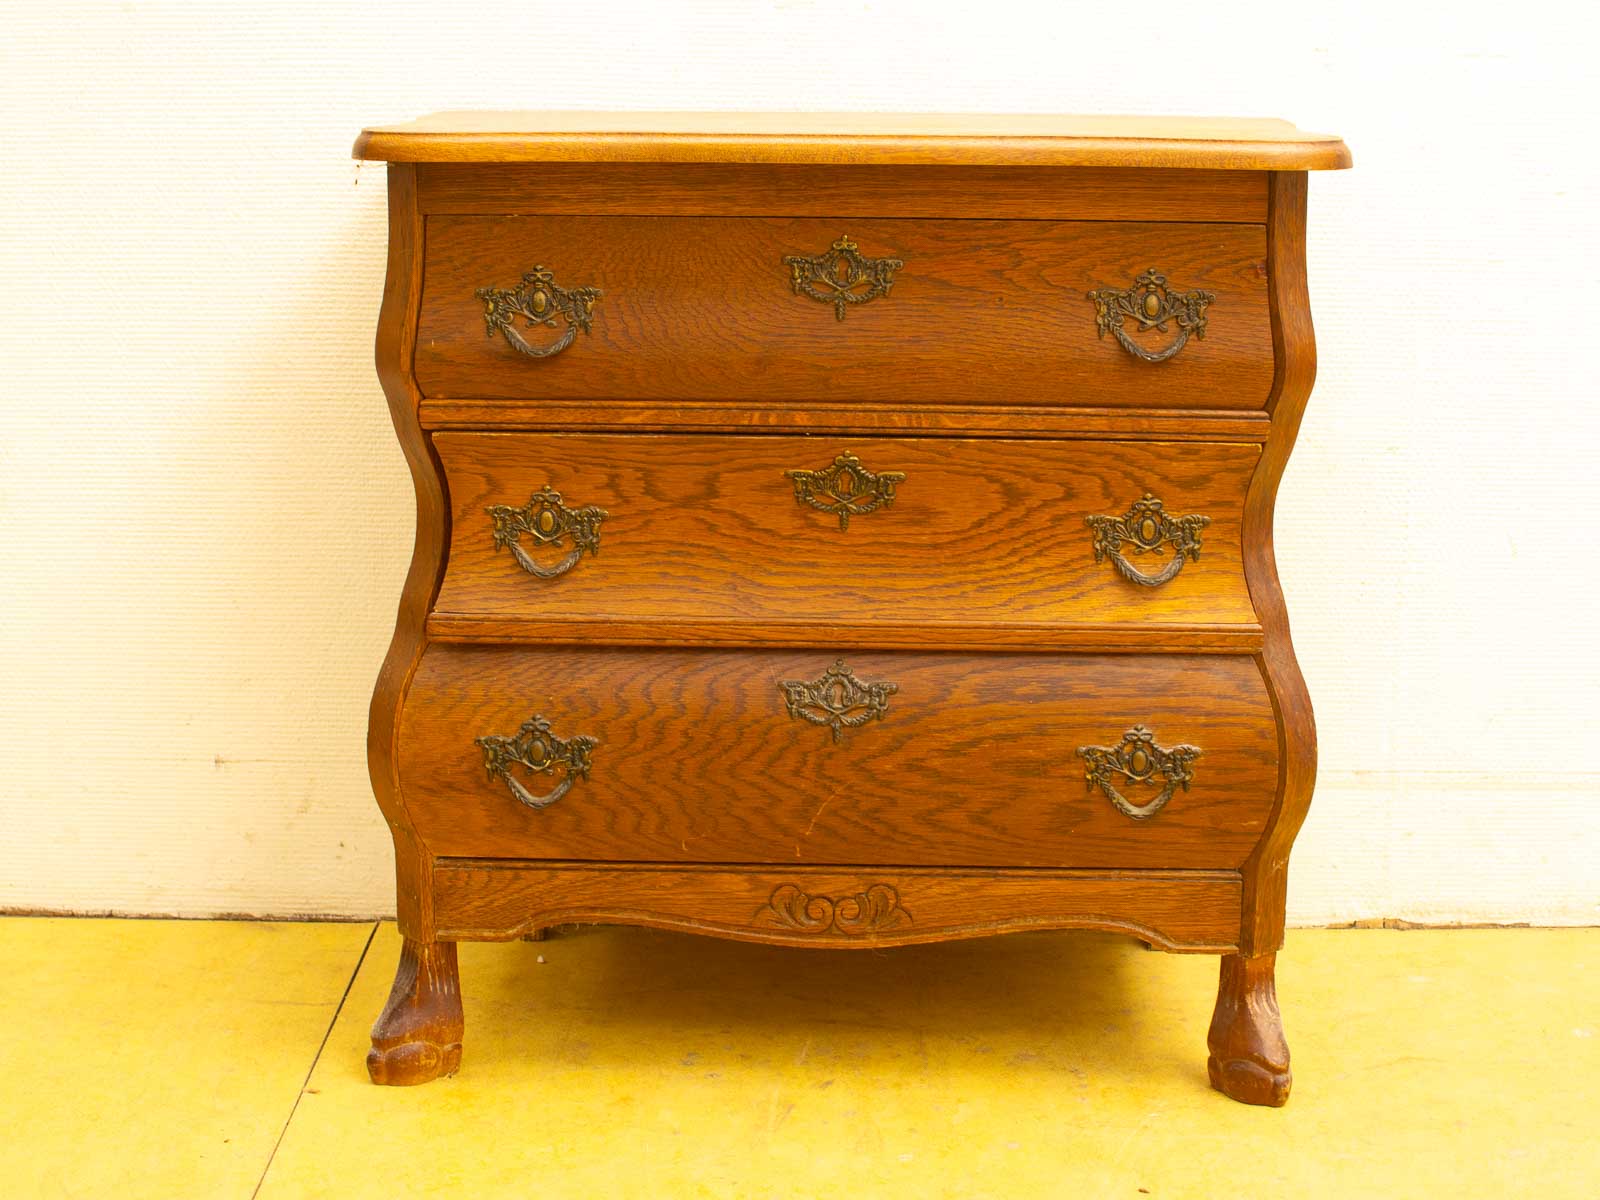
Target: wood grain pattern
[1188, 910]
[1170, 638]
[927, 420]
[709, 527]
[865, 139]
[724, 190]
[975, 762]
[701, 309]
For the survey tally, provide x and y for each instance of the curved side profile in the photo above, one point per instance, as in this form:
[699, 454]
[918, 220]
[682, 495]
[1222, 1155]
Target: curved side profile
[413, 1039]
[1246, 997]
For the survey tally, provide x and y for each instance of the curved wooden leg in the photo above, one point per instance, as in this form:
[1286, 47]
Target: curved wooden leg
[418, 1036]
[1249, 1058]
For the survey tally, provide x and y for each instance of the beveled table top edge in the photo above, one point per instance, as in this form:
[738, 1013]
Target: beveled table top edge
[961, 139]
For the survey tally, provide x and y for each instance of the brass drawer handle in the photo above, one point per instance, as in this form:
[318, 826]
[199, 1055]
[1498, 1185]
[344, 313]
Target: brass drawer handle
[845, 488]
[1147, 527]
[541, 752]
[1138, 759]
[1152, 304]
[539, 300]
[549, 523]
[842, 276]
[838, 700]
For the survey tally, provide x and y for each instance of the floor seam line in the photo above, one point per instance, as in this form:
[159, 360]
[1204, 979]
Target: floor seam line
[316, 1058]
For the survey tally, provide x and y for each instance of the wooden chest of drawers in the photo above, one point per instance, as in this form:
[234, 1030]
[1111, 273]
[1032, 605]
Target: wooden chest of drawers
[844, 532]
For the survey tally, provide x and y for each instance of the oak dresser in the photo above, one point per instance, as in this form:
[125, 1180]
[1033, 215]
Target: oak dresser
[844, 531]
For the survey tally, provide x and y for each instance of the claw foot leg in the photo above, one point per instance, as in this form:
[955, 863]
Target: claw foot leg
[418, 1036]
[1249, 1058]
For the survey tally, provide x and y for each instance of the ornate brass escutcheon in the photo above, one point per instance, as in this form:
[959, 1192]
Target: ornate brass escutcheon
[1138, 759]
[1152, 304]
[539, 300]
[842, 276]
[845, 488]
[838, 700]
[1147, 527]
[541, 752]
[549, 523]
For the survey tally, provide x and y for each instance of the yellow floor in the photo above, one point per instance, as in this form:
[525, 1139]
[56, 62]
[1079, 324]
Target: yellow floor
[195, 1059]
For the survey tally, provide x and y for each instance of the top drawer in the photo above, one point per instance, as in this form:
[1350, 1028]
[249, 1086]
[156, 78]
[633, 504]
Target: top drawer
[897, 312]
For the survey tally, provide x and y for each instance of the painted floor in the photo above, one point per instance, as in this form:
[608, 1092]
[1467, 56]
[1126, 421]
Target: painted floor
[225, 1059]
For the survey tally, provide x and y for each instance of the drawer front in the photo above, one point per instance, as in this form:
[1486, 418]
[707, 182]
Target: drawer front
[844, 529]
[790, 757]
[894, 312]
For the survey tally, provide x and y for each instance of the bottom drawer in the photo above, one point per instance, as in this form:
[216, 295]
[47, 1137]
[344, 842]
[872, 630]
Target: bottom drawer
[755, 756]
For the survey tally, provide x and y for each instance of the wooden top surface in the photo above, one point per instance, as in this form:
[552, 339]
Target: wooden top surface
[954, 139]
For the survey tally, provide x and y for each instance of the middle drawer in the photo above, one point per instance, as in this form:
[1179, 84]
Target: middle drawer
[863, 531]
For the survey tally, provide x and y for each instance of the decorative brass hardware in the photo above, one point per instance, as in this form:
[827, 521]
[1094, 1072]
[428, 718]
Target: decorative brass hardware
[842, 276]
[872, 911]
[1150, 302]
[1147, 527]
[540, 751]
[838, 700]
[845, 488]
[548, 522]
[539, 299]
[1139, 760]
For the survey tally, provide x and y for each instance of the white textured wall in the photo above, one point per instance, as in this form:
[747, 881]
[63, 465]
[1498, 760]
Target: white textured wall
[205, 519]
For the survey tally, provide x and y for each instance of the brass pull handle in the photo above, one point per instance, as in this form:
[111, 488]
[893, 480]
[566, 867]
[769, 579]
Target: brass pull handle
[842, 276]
[838, 700]
[1152, 304]
[1147, 527]
[541, 752]
[1138, 759]
[539, 300]
[845, 488]
[549, 523]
